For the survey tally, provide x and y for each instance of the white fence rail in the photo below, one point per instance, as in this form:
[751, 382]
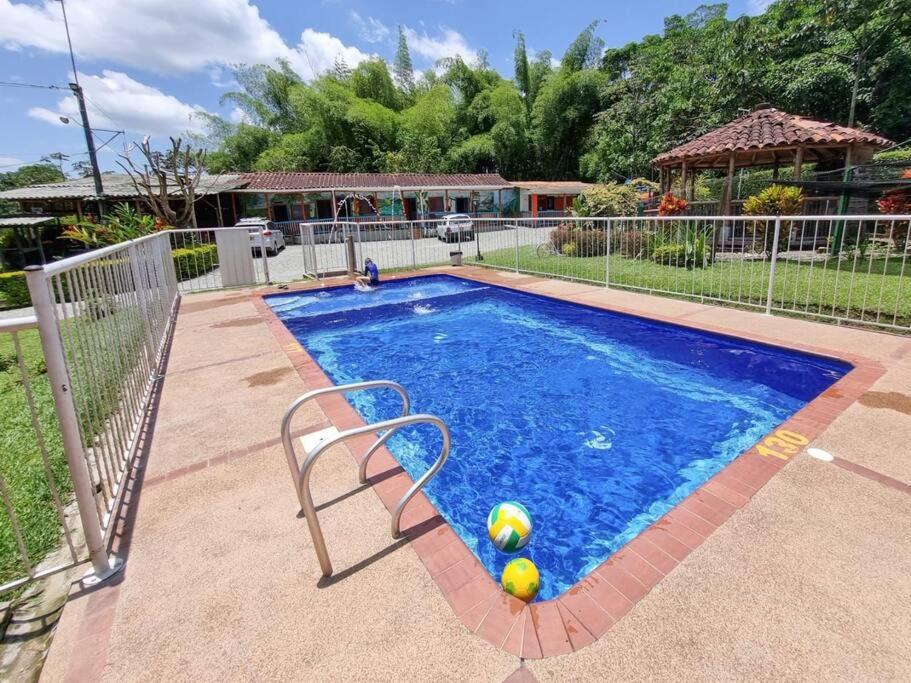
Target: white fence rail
[841, 268]
[103, 320]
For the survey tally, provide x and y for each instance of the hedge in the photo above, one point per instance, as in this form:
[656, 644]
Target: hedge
[192, 262]
[188, 263]
[14, 290]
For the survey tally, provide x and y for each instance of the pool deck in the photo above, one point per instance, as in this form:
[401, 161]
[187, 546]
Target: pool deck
[785, 567]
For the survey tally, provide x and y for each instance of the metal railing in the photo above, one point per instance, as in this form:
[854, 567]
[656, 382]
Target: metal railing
[103, 320]
[33, 496]
[300, 474]
[841, 268]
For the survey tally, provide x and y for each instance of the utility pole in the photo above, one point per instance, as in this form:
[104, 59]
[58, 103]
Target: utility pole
[87, 129]
[89, 142]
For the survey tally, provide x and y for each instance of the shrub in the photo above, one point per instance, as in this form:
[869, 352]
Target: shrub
[672, 205]
[775, 200]
[629, 243]
[607, 200]
[571, 241]
[14, 290]
[194, 261]
[122, 224]
[670, 254]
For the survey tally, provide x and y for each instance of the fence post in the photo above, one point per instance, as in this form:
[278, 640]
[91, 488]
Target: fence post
[607, 254]
[768, 299]
[517, 246]
[262, 252]
[414, 257]
[59, 379]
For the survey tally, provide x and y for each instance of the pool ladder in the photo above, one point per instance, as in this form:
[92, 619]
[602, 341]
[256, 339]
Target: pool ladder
[322, 440]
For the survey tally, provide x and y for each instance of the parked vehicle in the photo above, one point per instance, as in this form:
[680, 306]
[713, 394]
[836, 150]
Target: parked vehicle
[455, 227]
[263, 234]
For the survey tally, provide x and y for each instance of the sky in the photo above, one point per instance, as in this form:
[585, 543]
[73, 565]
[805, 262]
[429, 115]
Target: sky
[147, 66]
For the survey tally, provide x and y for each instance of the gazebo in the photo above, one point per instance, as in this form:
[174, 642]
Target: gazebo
[766, 137]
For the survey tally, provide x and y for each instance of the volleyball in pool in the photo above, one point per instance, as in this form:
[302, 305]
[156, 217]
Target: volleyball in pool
[521, 579]
[509, 526]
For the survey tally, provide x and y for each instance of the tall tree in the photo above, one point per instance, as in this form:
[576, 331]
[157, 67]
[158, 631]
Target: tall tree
[585, 51]
[402, 69]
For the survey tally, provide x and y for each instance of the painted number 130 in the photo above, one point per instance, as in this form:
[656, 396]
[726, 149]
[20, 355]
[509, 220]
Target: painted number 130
[782, 444]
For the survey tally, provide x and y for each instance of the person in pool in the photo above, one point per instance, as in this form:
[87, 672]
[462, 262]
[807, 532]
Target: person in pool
[371, 274]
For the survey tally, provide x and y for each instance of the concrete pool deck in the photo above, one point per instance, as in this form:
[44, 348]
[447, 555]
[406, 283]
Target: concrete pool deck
[809, 578]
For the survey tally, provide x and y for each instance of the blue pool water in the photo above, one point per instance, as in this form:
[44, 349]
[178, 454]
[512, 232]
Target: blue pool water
[597, 422]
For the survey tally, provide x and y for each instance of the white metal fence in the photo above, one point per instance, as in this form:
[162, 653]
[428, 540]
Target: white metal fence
[842, 268]
[102, 322]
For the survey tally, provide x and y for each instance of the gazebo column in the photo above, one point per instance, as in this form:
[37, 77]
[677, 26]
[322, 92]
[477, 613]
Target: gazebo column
[683, 173]
[728, 187]
[798, 162]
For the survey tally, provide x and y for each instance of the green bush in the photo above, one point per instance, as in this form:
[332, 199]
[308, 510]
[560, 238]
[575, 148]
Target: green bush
[13, 290]
[194, 261]
[607, 200]
[670, 254]
[572, 241]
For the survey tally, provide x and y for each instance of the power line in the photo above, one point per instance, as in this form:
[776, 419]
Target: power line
[12, 84]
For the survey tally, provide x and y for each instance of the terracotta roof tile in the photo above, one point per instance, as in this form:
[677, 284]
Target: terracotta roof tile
[288, 181]
[767, 129]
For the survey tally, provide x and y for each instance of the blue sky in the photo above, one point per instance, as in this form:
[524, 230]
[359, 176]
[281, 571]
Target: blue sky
[147, 65]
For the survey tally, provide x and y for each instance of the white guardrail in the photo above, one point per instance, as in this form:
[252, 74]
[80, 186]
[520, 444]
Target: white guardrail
[102, 320]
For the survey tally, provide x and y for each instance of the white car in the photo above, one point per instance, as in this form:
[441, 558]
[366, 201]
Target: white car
[263, 234]
[455, 227]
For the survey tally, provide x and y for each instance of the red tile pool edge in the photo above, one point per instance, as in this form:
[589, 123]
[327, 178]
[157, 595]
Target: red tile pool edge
[586, 611]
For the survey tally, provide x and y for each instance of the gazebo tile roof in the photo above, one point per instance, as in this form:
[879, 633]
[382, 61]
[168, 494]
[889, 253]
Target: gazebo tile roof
[765, 129]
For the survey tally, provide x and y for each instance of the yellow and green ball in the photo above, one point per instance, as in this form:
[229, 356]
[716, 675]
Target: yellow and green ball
[521, 579]
[509, 526]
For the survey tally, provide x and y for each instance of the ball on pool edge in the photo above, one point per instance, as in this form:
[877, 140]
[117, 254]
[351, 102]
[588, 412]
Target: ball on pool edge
[509, 526]
[521, 579]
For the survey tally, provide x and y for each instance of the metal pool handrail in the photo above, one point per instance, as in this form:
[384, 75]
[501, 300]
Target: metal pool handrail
[300, 475]
[288, 444]
[393, 425]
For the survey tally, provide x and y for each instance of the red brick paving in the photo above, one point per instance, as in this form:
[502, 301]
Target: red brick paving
[589, 609]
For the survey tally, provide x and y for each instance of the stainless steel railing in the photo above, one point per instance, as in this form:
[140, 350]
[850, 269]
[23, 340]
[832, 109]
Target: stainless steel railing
[301, 474]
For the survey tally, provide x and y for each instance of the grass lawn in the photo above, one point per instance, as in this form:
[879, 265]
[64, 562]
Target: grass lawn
[20, 459]
[855, 290]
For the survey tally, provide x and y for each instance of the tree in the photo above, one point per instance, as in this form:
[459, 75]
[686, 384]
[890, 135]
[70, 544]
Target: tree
[585, 51]
[402, 68]
[163, 179]
[56, 158]
[31, 174]
[868, 26]
[340, 69]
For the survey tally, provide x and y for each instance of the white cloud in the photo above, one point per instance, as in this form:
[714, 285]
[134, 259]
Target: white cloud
[10, 163]
[759, 6]
[370, 29]
[447, 43]
[316, 52]
[116, 101]
[150, 34]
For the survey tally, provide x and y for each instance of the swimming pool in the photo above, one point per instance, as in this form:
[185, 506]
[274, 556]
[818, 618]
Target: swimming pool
[598, 422]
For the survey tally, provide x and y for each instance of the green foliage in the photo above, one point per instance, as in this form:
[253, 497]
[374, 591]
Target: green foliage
[192, 262]
[14, 290]
[600, 115]
[31, 174]
[894, 155]
[402, 67]
[122, 224]
[775, 200]
[579, 241]
[670, 254]
[606, 200]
